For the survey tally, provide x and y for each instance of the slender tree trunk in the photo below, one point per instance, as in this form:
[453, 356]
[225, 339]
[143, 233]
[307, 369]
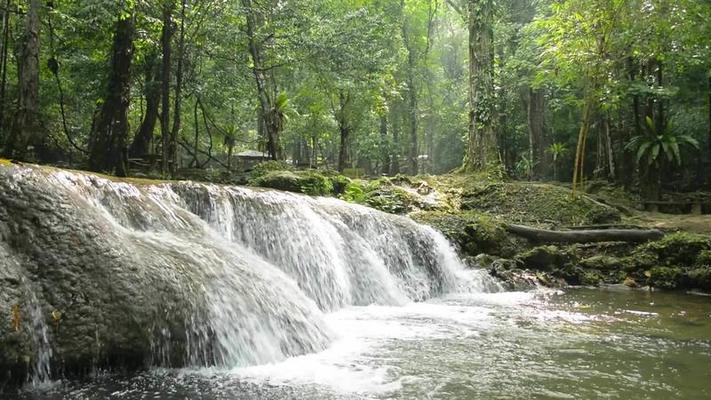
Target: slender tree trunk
[535, 131]
[579, 168]
[709, 149]
[3, 66]
[261, 80]
[194, 163]
[395, 151]
[26, 129]
[166, 36]
[384, 148]
[660, 118]
[629, 166]
[344, 129]
[411, 92]
[481, 143]
[608, 147]
[108, 139]
[178, 91]
[141, 145]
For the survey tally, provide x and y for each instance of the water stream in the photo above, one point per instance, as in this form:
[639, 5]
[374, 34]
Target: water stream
[268, 295]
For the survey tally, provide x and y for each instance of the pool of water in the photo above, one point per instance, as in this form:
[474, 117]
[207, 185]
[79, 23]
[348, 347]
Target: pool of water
[612, 343]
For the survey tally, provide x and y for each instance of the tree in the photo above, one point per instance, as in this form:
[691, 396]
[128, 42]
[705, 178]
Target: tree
[481, 141]
[107, 142]
[26, 132]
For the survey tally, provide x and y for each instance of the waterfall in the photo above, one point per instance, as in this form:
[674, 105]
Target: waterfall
[201, 274]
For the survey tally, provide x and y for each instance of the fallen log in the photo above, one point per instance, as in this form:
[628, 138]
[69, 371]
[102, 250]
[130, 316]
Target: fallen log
[585, 235]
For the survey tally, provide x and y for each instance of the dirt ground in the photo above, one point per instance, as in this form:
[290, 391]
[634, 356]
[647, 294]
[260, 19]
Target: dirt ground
[686, 222]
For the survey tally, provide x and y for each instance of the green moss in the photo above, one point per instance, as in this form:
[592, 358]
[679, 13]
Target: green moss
[678, 248]
[307, 182]
[590, 278]
[546, 258]
[391, 199]
[704, 259]
[700, 278]
[265, 167]
[665, 277]
[474, 233]
[601, 262]
[536, 203]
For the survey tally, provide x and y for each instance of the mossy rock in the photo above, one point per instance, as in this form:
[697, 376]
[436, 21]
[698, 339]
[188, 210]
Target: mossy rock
[700, 278]
[704, 259]
[590, 278]
[473, 233]
[306, 182]
[678, 248]
[603, 263]
[546, 258]
[665, 277]
[391, 199]
[534, 203]
[266, 167]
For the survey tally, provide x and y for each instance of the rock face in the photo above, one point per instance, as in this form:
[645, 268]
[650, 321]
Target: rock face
[96, 273]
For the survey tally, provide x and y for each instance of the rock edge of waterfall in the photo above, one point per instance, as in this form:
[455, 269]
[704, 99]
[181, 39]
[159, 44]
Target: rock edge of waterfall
[96, 273]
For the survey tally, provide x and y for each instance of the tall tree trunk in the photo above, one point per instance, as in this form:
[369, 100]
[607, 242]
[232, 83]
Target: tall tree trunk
[344, 129]
[141, 145]
[5, 41]
[629, 166]
[108, 138]
[26, 129]
[266, 103]
[384, 148]
[481, 143]
[411, 92]
[612, 173]
[178, 90]
[579, 167]
[395, 151]
[536, 111]
[196, 142]
[709, 149]
[166, 36]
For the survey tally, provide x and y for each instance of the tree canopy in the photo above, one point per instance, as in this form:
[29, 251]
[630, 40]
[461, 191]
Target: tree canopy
[537, 89]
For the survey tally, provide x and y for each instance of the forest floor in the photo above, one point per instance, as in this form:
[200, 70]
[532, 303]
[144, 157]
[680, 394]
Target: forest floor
[685, 222]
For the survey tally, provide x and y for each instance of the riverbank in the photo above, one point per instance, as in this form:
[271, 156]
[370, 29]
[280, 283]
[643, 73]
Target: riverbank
[473, 211]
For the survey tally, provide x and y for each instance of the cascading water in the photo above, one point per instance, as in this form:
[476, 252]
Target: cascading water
[202, 274]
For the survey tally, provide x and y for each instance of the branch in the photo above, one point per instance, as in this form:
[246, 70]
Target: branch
[584, 235]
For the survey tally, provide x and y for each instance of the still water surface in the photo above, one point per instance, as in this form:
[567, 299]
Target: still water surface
[612, 343]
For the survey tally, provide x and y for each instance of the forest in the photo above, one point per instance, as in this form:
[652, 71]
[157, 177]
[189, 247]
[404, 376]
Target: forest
[355, 199]
[618, 90]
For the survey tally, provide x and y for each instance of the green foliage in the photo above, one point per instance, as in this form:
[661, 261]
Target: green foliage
[354, 193]
[537, 203]
[650, 147]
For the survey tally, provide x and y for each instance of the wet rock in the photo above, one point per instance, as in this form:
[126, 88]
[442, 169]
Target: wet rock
[665, 277]
[546, 258]
[700, 278]
[473, 233]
